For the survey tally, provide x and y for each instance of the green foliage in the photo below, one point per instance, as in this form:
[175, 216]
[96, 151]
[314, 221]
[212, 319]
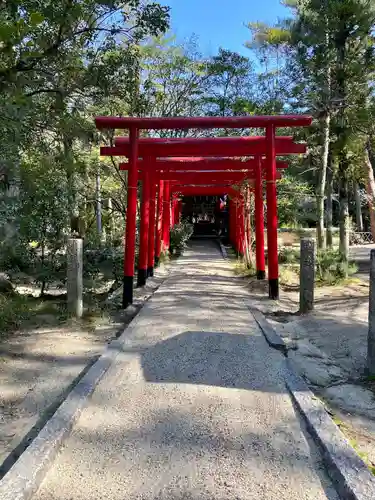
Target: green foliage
[102, 264]
[180, 235]
[13, 311]
[288, 255]
[332, 267]
[293, 197]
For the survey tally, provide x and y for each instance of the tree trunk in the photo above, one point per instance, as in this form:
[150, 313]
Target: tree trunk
[344, 220]
[76, 225]
[322, 182]
[370, 188]
[110, 218]
[98, 204]
[358, 208]
[329, 208]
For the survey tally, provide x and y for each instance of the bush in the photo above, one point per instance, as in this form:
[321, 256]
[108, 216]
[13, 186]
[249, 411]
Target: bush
[102, 264]
[180, 235]
[42, 265]
[331, 267]
[289, 255]
[13, 311]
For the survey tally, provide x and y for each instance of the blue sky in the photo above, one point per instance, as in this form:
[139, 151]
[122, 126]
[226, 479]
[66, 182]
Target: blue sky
[220, 23]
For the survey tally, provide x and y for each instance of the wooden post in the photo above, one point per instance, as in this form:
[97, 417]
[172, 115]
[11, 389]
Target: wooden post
[273, 258]
[131, 219]
[144, 230]
[159, 223]
[166, 215]
[152, 220]
[259, 222]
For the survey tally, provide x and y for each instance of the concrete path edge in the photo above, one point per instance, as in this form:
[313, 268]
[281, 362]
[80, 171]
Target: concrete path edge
[350, 475]
[273, 339]
[28, 472]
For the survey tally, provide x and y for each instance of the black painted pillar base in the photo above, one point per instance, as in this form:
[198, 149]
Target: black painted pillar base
[127, 294]
[142, 277]
[261, 275]
[157, 261]
[273, 289]
[150, 272]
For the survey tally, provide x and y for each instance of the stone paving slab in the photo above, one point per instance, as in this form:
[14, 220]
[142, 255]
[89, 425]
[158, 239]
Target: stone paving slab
[193, 407]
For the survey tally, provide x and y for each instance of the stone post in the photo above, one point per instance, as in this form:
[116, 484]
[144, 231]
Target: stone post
[307, 275]
[74, 276]
[371, 320]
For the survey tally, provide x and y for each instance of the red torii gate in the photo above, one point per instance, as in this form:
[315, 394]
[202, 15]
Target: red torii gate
[204, 170]
[269, 146]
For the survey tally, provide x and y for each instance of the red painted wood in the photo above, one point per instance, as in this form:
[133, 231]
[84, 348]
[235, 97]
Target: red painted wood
[202, 141]
[244, 148]
[273, 261]
[202, 122]
[259, 221]
[152, 223]
[132, 206]
[144, 225]
[222, 183]
[205, 176]
[166, 215]
[201, 165]
[205, 190]
[159, 221]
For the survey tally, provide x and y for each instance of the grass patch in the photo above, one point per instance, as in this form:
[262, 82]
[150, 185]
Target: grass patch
[18, 311]
[245, 270]
[353, 443]
[288, 275]
[332, 268]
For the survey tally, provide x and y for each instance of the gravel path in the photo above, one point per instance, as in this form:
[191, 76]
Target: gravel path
[194, 407]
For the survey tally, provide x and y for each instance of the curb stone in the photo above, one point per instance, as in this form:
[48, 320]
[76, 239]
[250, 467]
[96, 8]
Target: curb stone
[26, 475]
[273, 339]
[350, 475]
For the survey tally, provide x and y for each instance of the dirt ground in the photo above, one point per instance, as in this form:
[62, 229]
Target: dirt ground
[43, 360]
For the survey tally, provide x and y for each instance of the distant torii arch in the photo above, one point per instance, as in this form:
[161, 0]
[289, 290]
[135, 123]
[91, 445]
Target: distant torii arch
[194, 166]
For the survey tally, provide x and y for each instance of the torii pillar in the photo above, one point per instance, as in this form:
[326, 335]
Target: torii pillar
[273, 258]
[166, 216]
[259, 222]
[144, 231]
[152, 228]
[131, 219]
[159, 223]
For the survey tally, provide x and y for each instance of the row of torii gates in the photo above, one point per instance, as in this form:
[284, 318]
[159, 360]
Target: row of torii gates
[169, 168]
